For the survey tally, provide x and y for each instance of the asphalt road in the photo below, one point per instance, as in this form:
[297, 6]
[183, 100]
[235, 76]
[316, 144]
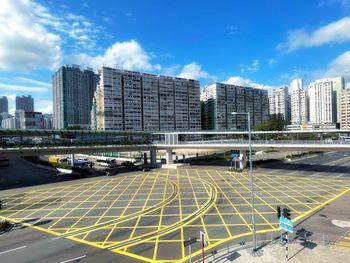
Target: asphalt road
[25, 244]
[329, 164]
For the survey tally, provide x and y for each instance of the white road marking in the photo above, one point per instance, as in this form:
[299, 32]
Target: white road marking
[70, 260]
[17, 248]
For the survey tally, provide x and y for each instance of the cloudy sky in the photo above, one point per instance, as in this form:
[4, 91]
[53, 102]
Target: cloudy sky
[258, 43]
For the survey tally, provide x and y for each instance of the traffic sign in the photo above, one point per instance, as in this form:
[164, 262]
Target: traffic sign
[190, 241]
[286, 224]
[234, 155]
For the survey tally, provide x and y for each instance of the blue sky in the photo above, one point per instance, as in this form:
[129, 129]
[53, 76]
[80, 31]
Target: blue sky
[257, 43]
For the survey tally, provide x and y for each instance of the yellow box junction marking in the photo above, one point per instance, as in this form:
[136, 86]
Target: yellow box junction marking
[86, 212]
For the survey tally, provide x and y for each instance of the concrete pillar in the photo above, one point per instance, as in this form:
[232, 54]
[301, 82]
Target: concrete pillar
[242, 161]
[72, 159]
[169, 156]
[153, 154]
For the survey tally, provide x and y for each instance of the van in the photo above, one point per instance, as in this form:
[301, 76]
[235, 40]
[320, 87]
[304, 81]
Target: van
[106, 161]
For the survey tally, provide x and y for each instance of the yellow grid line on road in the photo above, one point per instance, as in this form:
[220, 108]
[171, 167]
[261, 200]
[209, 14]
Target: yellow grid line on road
[63, 217]
[155, 250]
[245, 198]
[96, 203]
[197, 203]
[232, 205]
[126, 208]
[218, 212]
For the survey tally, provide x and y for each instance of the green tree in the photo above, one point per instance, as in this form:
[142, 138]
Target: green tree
[274, 123]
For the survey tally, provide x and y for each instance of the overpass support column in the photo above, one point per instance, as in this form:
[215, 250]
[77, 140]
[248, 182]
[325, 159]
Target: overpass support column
[169, 156]
[242, 163]
[72, 159]
[153, 154]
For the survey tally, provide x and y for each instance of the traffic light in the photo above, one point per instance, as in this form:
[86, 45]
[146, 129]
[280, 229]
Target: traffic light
[278, 212]
[286, 213]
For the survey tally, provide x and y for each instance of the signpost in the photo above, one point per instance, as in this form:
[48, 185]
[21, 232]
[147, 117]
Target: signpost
[234, 157]
[203, 243]
[188, 243]
[286, 224]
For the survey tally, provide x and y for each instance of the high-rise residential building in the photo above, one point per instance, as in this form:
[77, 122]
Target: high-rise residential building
[25, 103]
[73, 91]
[299, 102]
[279, 102]
[324, 100]
[4, 105]
[220, 100]
[127, 100]
[345, 109]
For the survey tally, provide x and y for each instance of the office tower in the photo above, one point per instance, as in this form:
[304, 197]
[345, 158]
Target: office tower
[25, 103]
[220, 100]
[299, 106]
[279, 101]
[10, 123]
[29, 119]
[323, 100]
[4, 105]
[47, 121]
[73, 90]
[127, 100]
[345, 109]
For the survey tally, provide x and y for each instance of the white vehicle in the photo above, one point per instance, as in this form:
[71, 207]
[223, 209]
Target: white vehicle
[106, 161]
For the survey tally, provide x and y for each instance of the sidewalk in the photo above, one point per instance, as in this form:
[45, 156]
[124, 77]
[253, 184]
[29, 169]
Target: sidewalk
[298, 253]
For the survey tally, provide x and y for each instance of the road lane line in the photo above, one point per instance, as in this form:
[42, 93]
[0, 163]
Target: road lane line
[10, 250]
[73, 259]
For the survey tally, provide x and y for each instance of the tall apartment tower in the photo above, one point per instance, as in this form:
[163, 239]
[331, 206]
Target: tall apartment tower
[345, 109]
[299, 105]
[73, 91]
[127, 100]
[25, 103]
[279, 102]
[4, 105]
[324, 98]
[220, 100]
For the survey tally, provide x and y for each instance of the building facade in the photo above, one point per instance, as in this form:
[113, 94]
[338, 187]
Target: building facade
[127, 100]
[30, 119]
[10, 123]
[324, 100]
[299, 103]
[345, 109]
[25, 103]
[279, 103]
[4, 105]
[73, 91]
[220, 100]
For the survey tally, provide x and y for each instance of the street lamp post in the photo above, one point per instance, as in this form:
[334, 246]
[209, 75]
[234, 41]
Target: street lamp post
[251, 175]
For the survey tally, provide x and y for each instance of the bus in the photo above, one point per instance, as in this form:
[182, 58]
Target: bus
[106, 161]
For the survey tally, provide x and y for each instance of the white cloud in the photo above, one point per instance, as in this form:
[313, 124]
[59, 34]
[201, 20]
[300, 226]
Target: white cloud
[340, 66]
[271, 61]
[44, 106]
[335, 32]
[24, 42]
[33, 81]
[253, 67]
[239, 81]
[194, 71]
[231, 30]
[126, 55]
[13, 87]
